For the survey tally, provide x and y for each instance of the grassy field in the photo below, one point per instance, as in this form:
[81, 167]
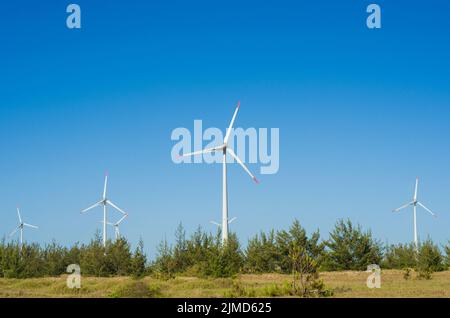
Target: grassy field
[344, 284]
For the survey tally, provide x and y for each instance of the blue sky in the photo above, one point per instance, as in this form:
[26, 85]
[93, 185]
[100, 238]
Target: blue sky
[361, 113]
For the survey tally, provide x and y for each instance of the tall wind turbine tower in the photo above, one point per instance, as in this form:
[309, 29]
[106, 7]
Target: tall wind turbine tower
[414, 203]
[225, 149]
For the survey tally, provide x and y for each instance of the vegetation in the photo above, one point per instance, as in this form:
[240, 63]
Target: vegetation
[52, 260]
[289, 252]
[349, 248]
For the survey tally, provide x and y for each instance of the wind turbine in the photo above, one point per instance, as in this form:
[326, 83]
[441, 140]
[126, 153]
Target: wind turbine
[116, 226]
[104, 202]
[20, 227]
[225, 149]
[414, 203]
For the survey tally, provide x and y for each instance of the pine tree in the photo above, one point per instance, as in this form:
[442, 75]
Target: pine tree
[349, 248]
[139, 261]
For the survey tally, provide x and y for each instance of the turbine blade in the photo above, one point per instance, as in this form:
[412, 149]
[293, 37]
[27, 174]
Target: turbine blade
[121, 220]
[403, 207]
[105, 186]
[232, 123]
[416, 189]
[427, 209]
[232, 220]
[18, 214]
[116, 207]
[29, 225]
[92, 206]
[14, 232]
[200, 152]
[108, 223]
[215, 223]
[242, 164]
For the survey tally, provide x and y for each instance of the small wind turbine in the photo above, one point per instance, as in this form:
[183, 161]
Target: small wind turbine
[225, 149]
[415, 203]
[116, 226]
[20, 227]
[104, 202]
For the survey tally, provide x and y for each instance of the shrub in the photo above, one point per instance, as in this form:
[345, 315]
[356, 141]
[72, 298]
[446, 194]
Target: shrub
[305, 275]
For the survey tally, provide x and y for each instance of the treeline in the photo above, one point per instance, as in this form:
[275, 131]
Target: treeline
[349, 247]
[116, 259]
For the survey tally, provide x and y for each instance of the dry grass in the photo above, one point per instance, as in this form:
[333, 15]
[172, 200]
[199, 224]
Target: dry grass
[344, 285]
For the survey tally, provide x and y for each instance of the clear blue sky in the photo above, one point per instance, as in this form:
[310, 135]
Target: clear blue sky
[361, 113]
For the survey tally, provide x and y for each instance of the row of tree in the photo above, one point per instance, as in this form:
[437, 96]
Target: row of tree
[202, 254]
[348, 248]
[53, 259]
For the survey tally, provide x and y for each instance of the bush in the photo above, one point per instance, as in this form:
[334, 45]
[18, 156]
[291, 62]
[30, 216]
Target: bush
[305, 275]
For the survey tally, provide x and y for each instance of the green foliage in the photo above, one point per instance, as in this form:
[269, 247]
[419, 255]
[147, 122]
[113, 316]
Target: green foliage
[270, 252]
[139, 261]
[305, 274]
[261, 255]
[202, 255]
[400, 257]
[447, 252]
[349, 248]
[53, 259]
[429, 258]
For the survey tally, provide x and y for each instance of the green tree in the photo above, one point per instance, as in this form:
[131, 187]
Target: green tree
[118, 257]
[305, 281]
[261, 254]
[139, 261]
[349, 248]
[93, 261]
[400, 257]
[296, 236]
[429, 258]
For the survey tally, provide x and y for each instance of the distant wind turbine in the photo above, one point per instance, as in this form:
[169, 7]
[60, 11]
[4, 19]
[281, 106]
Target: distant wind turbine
[414, 203]
[104, 202]
[116, 226]
[20, 227]
[220, 225]
[225, 149]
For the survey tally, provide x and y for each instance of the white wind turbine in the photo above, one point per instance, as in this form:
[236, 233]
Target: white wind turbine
[20, 227]
[104, 202]
[225, 149]
[414, 203]
[116, 226]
